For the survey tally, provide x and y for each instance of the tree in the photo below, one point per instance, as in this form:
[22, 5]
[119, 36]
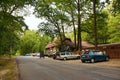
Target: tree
[10, 27]
[56, 13]
[32, 42]
[79, 47]
[102, 21]
[28, 42]
[95, 27]
[114, 29]
[69, 7]
[48, 29]
[44, 40]
[81, 9]
[47, 9]
[61, 13]
[10, 24]
[115, 7]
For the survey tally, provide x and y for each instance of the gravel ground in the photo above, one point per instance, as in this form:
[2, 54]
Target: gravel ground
[111, 63]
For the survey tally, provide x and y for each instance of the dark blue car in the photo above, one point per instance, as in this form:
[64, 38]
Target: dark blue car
[94, 56]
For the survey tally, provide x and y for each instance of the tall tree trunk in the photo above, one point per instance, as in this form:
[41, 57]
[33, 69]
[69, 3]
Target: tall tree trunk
[74, 33]
[74, 28]
[61, 38]
[79, 47]
[63, 32]
[95, 27]
[73, 23]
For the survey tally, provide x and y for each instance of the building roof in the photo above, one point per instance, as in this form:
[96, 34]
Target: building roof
[68, 42]
[105, 45]
[86, 44]
[111, 44]
[50, 45]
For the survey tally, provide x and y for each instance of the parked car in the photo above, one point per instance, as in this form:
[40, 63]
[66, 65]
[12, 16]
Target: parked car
[36, 54]
[66, 55]
[56, 54]
[94, 56]
[27, 54]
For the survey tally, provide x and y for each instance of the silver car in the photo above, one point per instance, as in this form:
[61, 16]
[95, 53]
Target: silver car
[67, 55]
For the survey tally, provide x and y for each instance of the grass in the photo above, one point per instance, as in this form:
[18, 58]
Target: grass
[8, 69]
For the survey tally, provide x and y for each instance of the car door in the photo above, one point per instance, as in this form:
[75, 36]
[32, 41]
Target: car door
[68, 55]
[102, 56]
[62, 55]
[97, 55]
[72, 55]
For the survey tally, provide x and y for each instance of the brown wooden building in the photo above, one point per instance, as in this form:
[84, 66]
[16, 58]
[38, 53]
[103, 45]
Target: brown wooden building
[112, 49]
[50, 48]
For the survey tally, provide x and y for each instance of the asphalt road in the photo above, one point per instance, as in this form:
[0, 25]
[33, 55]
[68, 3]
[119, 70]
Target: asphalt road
[32, 68]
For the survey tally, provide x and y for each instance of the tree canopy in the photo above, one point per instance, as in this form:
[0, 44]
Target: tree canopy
[10, 24]
[32, 42]
[95, 21]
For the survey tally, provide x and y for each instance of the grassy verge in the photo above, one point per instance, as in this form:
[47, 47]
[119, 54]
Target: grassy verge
[8, 69]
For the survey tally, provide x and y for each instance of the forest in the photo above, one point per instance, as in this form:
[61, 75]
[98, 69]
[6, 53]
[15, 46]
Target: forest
[94, 21]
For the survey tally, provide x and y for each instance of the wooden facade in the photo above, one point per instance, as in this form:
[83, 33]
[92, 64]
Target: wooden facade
[112, 49]
[50, 48]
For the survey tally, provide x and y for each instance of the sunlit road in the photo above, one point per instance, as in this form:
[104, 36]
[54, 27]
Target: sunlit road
[32, 68]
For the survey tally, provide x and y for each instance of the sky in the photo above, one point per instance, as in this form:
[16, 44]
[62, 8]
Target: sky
[30, 18]
[32, 22]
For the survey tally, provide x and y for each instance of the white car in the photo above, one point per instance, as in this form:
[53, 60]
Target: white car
[36, 54]
[67, 55]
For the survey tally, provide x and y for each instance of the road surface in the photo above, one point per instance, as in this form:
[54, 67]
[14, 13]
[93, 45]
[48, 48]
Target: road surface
[32, 68]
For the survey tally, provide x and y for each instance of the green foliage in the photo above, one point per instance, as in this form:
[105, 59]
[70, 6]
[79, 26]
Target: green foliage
[101, 29]
[32, 41]
[58, 19]
[115, 7]
[11, 25]
[44, 40]
[48, 29]
[61, 16]
[28, 41]
[114, 29]
[52, 9]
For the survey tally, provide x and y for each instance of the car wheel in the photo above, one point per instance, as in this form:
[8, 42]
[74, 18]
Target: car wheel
[107, 59]
[54, 58]
[92, 60]
[64, 58]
